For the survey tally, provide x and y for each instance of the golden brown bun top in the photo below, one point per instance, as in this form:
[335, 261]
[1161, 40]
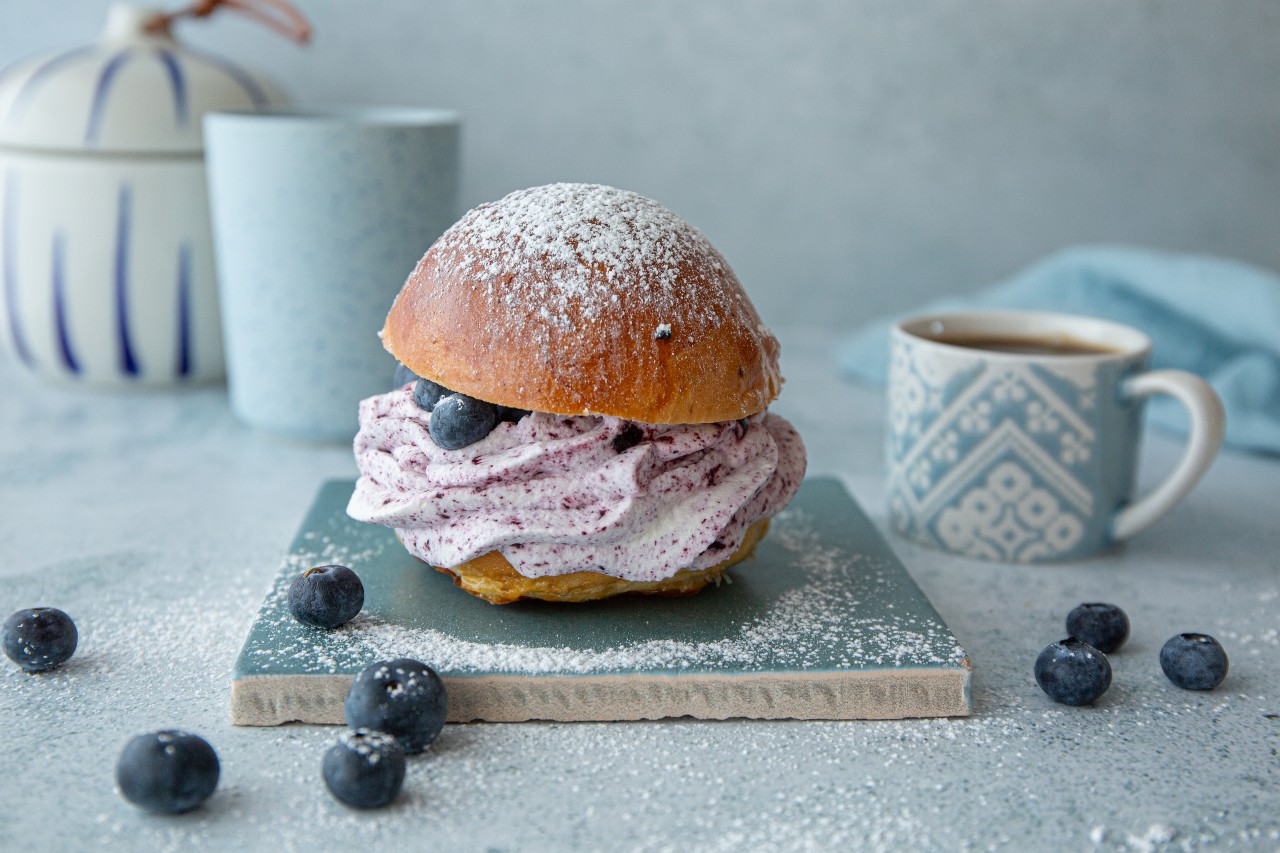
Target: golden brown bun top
[580, 299]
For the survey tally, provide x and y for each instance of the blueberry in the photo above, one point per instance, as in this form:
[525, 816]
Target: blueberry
[506, 414]
[402, 697]
[459, 420]
[1073, 672]
[364, 769]
[167, 772]
[402, 377]
[1103, 626]
[326, 596]
[1194, 661]
[39, 639]
[630, 436]
[427, 393]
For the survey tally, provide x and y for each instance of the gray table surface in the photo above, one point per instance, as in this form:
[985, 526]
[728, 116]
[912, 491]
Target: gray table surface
[158, 522]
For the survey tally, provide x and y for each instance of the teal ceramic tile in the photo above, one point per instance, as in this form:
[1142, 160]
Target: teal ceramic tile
[824, 623]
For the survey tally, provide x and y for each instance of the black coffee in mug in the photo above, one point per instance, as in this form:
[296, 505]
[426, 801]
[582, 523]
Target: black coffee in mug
[1044, 344]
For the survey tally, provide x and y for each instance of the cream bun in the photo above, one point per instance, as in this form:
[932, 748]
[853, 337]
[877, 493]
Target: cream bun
[599, 382]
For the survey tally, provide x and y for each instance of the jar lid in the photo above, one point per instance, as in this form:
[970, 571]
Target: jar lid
[133, 91]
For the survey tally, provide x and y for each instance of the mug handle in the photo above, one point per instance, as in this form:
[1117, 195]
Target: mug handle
[1208, 422]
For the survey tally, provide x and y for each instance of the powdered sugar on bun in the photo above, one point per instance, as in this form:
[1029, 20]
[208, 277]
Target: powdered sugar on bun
[583, 299]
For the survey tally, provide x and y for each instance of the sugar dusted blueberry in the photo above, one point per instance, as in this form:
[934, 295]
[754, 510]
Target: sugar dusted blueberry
[326, 596]
[40, 638]
[1103, 626]
[364, 769]
[1073, 672]
[403, 698]
[1194, 661]
[167, 772]
[427, 393]
[458, 421]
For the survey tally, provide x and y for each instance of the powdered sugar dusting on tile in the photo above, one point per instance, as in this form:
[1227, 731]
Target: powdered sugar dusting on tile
[823, 607]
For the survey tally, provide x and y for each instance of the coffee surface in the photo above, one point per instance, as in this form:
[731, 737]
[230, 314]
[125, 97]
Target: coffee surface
[1027, 345]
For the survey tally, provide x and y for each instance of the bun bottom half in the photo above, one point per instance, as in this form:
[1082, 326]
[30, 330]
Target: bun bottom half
[492, 578]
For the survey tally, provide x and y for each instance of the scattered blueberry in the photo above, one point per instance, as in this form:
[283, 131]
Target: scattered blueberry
[630, 436]
[402, 697]
[427, 393]
[364, 769]
[459, 420]
[510, 415]
[167, 772]
[326, 596]
[1103, 626]
[40, 638]
[1073, 672]
[1194, 661]
[403, 376]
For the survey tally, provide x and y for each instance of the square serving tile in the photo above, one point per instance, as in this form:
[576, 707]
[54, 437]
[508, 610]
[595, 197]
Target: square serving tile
[824, 623]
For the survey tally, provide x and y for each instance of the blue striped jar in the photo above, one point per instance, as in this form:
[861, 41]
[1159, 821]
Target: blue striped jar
[106, 259]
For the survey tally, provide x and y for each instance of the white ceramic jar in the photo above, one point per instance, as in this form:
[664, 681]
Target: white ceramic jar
[106, 258]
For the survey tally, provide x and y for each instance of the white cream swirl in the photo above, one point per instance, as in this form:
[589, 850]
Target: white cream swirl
[559, 494]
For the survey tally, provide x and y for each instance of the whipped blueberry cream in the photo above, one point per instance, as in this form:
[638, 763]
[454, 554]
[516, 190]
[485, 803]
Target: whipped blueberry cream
[557, 494]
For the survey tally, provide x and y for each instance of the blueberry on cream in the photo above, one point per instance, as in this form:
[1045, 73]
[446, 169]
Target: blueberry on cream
[458, 421]
[427, 393]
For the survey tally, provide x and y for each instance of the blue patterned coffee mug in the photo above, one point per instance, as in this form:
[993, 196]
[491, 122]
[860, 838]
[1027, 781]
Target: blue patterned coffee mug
[1014, 435]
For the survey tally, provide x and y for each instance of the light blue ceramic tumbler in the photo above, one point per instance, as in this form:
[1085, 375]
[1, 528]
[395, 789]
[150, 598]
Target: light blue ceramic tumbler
[318, 218]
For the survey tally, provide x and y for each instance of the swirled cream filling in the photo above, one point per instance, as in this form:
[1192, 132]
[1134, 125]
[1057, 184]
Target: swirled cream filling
[557, 494]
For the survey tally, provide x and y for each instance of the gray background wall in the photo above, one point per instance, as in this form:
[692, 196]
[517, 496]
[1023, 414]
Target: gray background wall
[849, 158]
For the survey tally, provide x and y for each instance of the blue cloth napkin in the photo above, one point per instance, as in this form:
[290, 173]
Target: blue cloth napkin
[1213, 317]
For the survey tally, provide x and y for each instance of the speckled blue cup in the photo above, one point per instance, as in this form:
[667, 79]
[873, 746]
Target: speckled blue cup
[318, 218]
